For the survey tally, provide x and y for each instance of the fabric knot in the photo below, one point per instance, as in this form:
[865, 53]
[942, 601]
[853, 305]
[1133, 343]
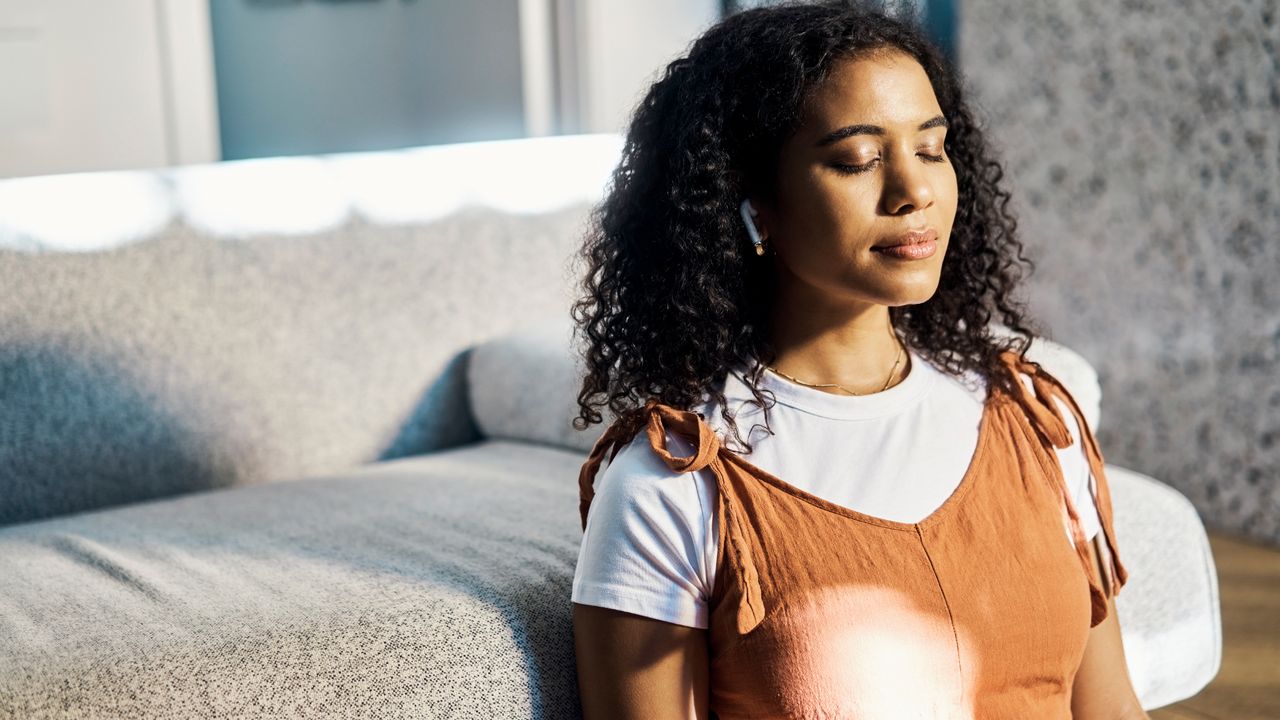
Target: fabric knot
[687, 424]
[660, 417]
[1039, 401]
[751, 609]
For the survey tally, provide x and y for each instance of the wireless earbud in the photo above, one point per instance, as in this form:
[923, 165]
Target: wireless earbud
[748, 213]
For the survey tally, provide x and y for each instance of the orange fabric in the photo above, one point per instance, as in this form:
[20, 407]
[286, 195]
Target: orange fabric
[980, 610]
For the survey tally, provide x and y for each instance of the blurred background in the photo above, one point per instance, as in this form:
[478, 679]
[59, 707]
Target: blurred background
[1141, 142]
[184, 81]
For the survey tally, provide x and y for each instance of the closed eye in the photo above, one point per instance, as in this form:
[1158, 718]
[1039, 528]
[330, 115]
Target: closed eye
[847, 169]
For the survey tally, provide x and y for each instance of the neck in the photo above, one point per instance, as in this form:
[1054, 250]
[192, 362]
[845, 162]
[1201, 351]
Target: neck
[821, 342]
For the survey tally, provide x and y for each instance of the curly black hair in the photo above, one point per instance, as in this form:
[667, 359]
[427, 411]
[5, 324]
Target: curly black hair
[675, 295]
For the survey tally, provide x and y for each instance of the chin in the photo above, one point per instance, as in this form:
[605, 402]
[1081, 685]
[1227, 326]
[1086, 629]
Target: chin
[911, 299]
[905, 292]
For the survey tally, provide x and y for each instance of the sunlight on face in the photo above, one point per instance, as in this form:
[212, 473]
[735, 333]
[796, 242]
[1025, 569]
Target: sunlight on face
[867, 165]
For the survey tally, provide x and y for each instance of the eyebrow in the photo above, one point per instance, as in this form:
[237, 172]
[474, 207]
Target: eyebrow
[851, 130]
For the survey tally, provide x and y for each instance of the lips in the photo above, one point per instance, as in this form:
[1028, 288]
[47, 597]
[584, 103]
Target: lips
[910, 246]
[914, 237]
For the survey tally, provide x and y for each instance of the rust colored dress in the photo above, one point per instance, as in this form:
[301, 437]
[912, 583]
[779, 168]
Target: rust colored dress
[977, 611]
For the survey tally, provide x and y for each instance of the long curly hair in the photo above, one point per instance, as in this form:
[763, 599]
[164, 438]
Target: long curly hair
[675, 295]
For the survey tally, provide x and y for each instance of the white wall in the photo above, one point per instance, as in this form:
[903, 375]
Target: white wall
[612, 50]
[88, 85]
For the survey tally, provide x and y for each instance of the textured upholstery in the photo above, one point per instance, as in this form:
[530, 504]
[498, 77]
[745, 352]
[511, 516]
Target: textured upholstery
[177, 330]
[426, 587]
[524, 386]
[1169, 611]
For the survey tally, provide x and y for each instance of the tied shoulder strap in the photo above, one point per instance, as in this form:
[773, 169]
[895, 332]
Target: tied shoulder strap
[1051, 424]
[691, 426]
[659, 415]
[751, 600]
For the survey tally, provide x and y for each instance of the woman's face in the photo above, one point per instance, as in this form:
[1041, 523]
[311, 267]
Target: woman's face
[866, 166]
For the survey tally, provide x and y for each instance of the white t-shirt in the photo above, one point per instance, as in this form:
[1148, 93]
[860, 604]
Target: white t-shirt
[650, 543]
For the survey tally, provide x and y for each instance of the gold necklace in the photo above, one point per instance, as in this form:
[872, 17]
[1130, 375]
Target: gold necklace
[892, 372]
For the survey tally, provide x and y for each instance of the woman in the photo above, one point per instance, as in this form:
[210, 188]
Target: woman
[806, 230]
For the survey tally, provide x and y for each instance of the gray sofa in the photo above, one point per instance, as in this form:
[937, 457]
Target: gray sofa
[291, 438]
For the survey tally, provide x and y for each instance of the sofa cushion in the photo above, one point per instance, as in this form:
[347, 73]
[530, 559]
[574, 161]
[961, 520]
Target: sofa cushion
[524, 385]
[434, 586]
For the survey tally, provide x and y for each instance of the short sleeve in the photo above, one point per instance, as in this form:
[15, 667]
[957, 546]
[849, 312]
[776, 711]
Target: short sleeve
[645, 545]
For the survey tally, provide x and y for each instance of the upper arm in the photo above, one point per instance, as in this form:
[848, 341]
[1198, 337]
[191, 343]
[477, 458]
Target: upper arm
[630, 666]
[640, 590]
[645, 546]
[1102, 689]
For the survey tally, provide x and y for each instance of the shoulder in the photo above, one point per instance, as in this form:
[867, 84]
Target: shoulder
[638, 485]
[636, 461]
[1074, 460]
[1063, 405]
[648, 544]
[1073, 372]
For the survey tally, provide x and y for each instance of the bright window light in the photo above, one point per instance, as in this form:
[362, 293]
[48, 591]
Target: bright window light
[82, 212]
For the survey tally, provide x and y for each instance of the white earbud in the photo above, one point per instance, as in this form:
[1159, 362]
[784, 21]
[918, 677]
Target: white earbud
[748, 213]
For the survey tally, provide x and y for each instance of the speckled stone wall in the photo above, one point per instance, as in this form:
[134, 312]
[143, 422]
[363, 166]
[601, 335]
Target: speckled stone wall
[1142, 141]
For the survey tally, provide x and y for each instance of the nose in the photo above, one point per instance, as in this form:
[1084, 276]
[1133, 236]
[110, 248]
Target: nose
[906, 187]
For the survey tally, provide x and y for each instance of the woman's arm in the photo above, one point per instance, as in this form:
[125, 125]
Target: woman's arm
[630, 666]
[1102, 688]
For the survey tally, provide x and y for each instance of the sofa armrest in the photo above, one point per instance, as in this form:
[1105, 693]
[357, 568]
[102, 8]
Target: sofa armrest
[1169, 610]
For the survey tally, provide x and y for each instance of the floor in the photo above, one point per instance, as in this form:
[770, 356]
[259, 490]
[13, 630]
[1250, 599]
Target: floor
[1248, 685]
